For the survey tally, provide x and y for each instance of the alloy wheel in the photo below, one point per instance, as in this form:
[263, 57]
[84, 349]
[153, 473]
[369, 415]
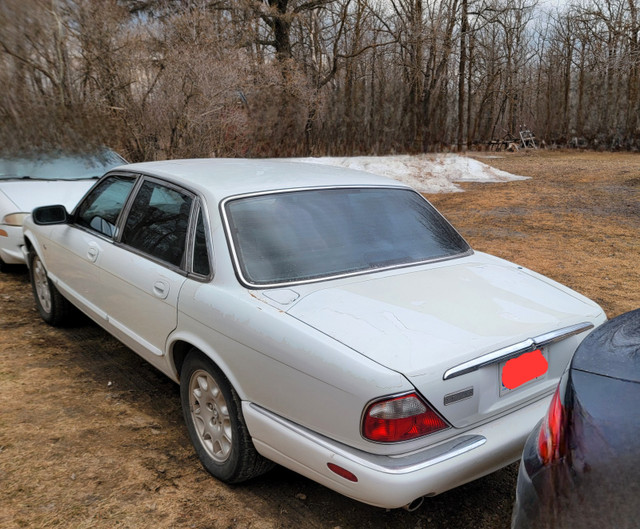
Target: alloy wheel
[210, 415]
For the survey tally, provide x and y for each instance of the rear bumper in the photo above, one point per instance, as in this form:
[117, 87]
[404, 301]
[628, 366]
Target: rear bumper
[394, 481]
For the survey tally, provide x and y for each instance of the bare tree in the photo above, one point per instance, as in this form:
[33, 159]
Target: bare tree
[174, 78]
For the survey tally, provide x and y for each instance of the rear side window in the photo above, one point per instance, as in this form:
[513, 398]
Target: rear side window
[158, 222]
[99, 211]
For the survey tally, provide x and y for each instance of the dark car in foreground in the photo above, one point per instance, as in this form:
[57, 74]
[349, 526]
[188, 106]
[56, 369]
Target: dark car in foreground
[581, 464]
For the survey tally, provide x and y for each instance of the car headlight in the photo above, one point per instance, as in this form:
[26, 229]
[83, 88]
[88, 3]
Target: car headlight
[15, 219]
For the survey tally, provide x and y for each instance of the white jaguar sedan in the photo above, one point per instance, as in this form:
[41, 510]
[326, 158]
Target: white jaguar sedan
[327, 320]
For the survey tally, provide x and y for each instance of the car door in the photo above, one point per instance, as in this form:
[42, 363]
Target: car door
[143, 272]
[76, 249]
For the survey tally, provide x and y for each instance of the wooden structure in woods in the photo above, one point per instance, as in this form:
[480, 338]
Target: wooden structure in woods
[509, 142]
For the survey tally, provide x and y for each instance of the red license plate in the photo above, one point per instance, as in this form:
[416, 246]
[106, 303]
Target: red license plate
[522, 369]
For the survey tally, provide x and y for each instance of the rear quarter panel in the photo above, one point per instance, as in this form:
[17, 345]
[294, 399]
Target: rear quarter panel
[283, 365]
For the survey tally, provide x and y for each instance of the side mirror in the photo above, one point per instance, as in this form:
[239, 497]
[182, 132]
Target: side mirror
[45, 215]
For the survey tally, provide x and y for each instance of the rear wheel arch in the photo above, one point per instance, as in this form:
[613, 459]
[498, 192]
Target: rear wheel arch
[180, 349]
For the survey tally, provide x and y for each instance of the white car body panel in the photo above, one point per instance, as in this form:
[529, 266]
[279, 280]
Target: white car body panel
[437, 311]
[282, 364]
[307, 359]
[6, 204]
[427, 320]
[29, 194]
[140, 297]
[395, 481]
[25, 195]
[11, 244]
[66, 254]
[221, 178]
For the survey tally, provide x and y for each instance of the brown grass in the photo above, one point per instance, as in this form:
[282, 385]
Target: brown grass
[92, 437]
[577, 220]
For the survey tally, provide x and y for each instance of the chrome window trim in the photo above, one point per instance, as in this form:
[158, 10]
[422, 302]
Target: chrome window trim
[126, 210]
[516, 349]
[198, 202]
[199, 209]
[245, 282]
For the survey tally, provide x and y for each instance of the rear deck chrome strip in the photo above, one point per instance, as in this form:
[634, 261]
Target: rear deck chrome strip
[517, 349]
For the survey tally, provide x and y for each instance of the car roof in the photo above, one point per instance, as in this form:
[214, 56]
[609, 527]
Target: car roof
[613, 349]
[224, 177]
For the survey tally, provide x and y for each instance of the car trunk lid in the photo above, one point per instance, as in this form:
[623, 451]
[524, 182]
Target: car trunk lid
[426, 323]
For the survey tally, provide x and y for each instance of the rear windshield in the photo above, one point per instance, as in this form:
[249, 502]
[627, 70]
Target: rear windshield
[306, 235]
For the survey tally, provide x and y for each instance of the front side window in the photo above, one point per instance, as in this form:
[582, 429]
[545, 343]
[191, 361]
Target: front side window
[158, 222]
[99, 211]
[305, 235]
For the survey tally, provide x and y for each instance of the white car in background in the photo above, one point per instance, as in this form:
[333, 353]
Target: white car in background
[30, 181]
[328, 320]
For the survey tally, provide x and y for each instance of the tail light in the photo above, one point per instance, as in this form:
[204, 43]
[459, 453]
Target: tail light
[400, 419]
[551, 442]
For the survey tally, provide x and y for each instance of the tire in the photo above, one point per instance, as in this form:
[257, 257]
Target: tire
[213, 414]
[52, 306]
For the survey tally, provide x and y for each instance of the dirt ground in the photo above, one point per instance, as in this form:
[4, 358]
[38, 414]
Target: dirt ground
[92, 437]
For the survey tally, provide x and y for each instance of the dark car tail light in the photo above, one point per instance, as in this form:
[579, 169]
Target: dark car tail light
[400, 419]
[551, 444]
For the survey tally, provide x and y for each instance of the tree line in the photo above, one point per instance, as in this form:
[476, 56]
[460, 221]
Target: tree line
[191, 78]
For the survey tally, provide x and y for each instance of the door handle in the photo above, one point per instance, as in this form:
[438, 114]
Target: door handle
[92, 253]
[161, 289]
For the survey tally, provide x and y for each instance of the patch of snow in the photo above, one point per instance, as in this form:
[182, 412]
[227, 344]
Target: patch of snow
[428, 173]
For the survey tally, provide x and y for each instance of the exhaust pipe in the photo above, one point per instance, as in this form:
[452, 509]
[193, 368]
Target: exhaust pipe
[414, 505]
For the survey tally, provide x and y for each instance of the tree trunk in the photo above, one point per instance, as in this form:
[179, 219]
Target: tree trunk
[461, 76]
